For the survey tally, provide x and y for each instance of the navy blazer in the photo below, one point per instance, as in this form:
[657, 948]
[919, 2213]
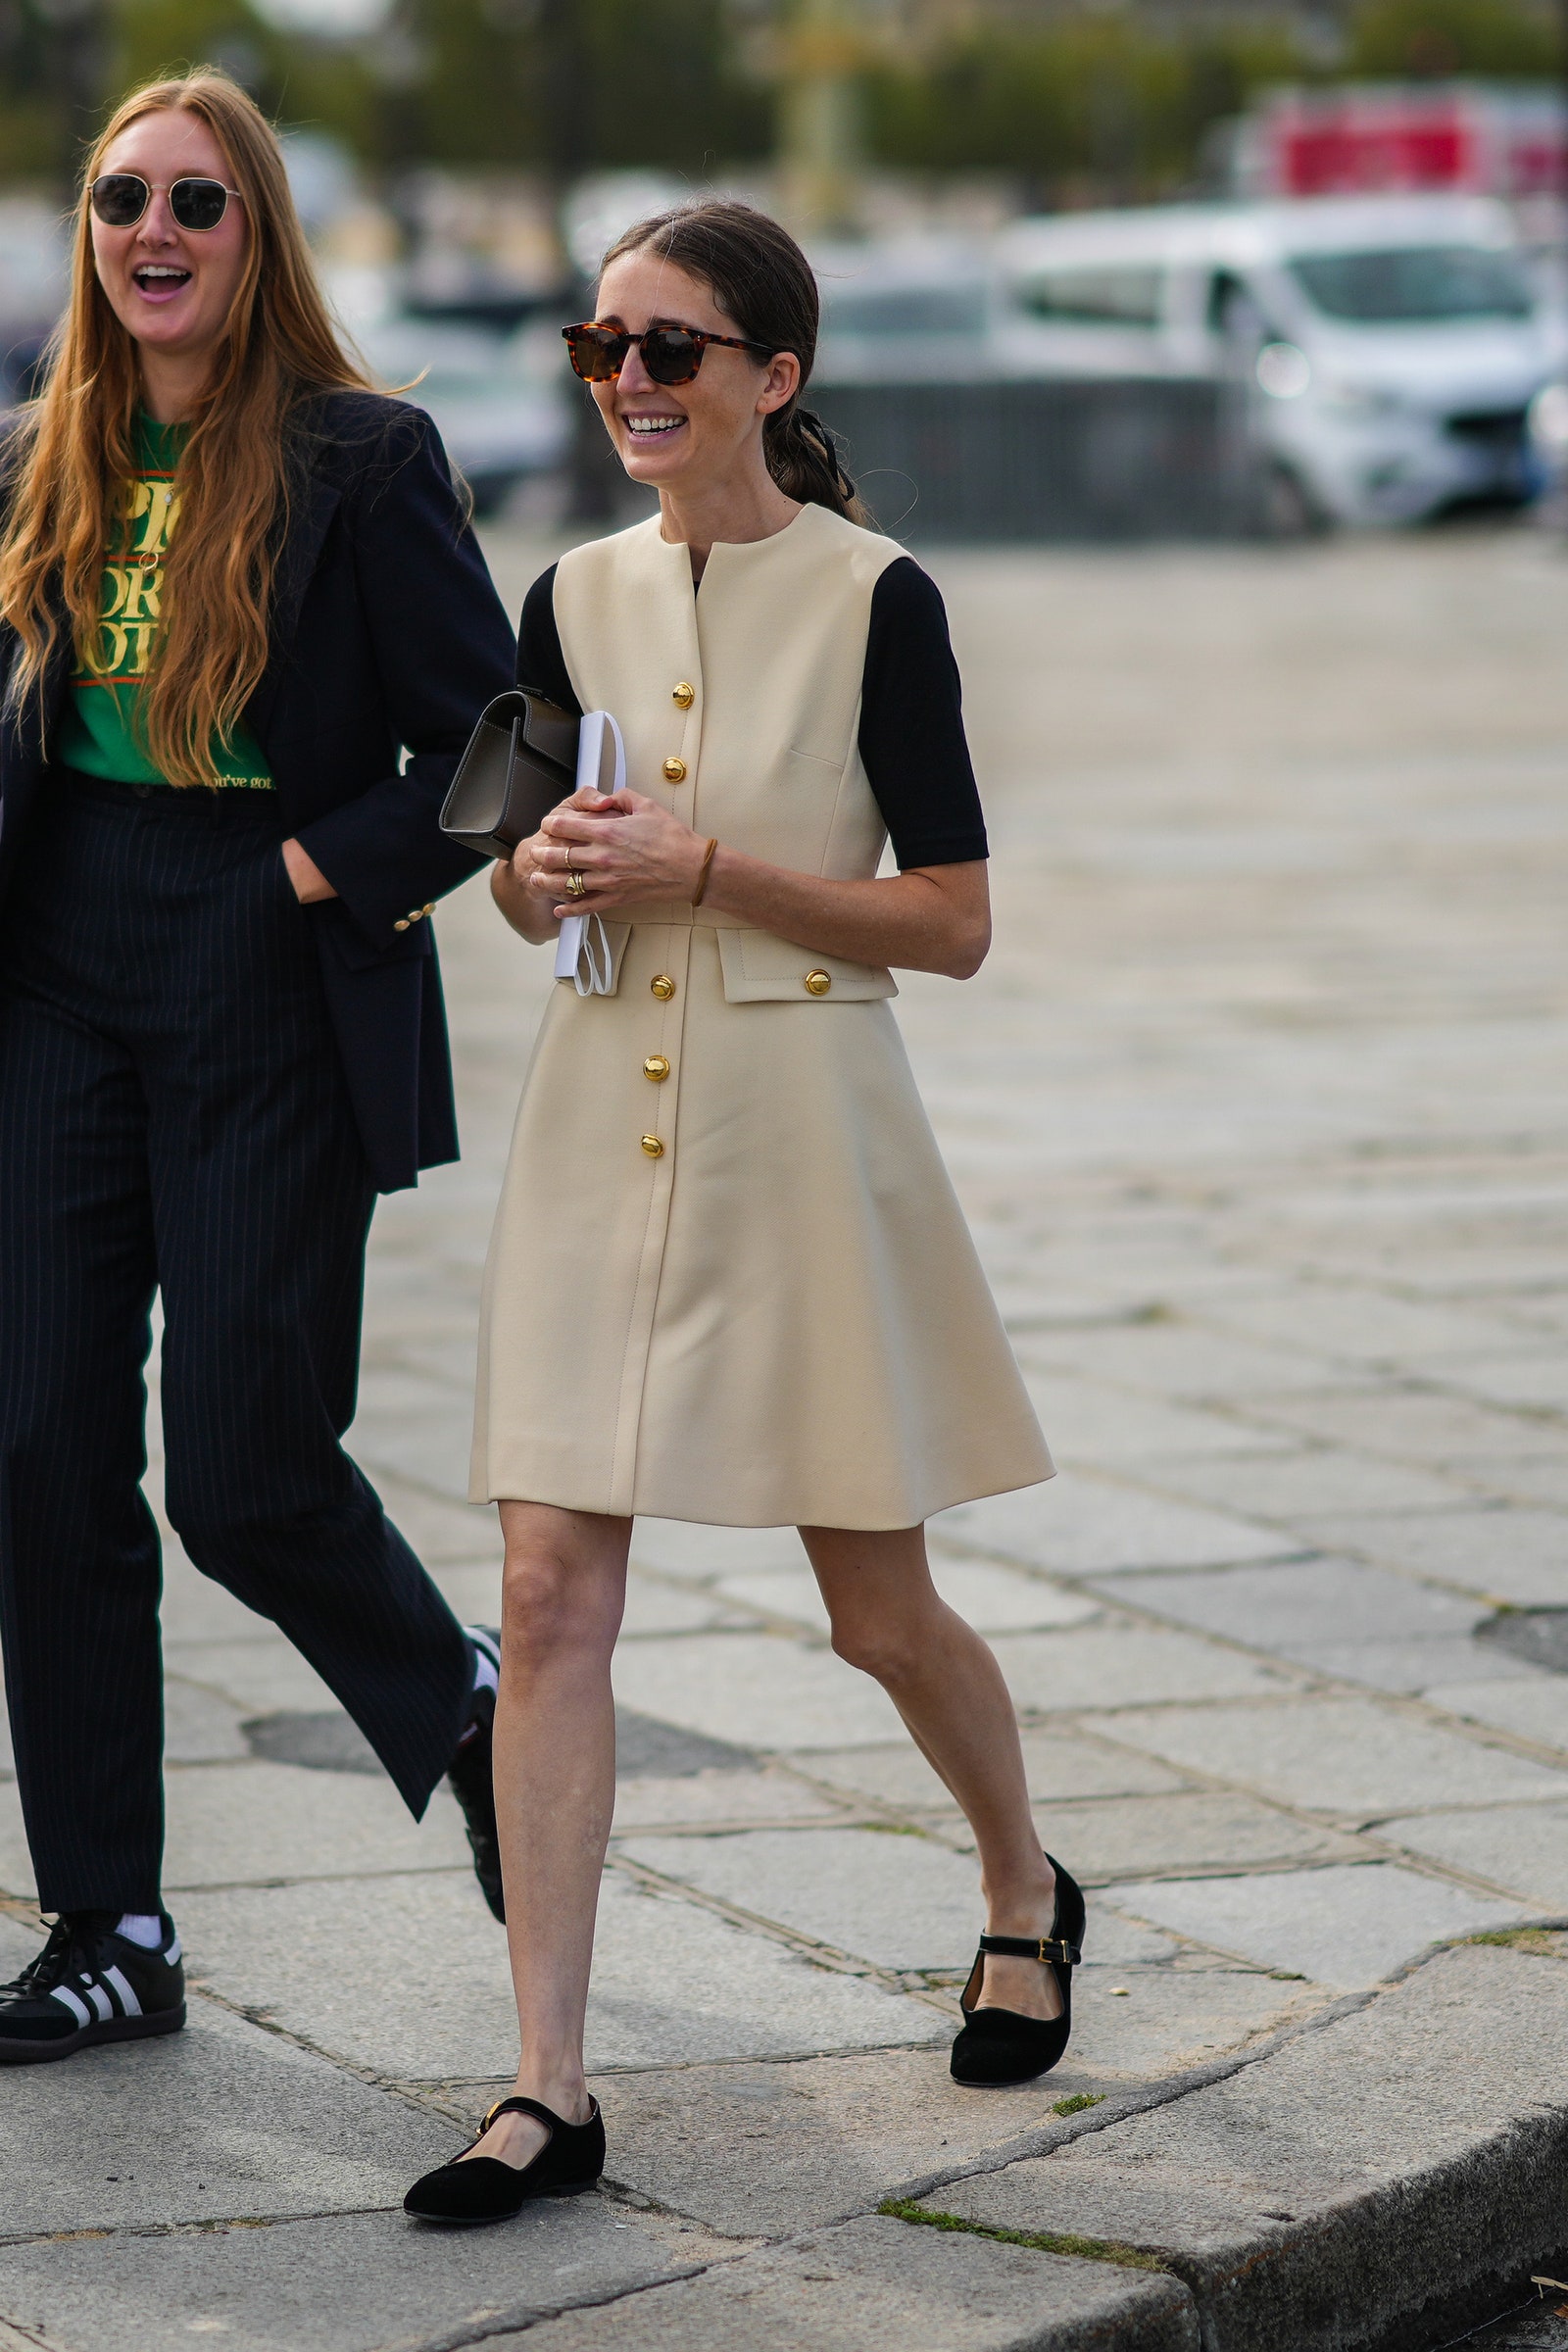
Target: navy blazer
[387, 639]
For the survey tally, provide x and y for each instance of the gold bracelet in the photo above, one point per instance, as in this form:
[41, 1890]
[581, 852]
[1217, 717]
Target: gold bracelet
[702, 879]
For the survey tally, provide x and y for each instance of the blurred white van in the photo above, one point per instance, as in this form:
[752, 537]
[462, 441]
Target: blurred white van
[1390, 347]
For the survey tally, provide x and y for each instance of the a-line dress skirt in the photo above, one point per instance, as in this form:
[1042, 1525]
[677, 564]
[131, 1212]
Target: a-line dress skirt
[729, 1279]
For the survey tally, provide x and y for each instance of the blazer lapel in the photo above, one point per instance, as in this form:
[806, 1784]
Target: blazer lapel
[312, 508]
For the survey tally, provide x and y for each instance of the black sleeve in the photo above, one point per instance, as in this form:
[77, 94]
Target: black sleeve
[441, 645]
[541, 664]
[911, 725]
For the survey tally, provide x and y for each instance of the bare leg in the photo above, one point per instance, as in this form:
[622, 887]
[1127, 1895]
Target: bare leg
[562, 1595]
[889, 1620]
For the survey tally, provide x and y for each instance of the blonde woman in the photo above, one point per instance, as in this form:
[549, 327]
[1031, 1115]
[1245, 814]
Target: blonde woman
[729, 1279]
[236, 585]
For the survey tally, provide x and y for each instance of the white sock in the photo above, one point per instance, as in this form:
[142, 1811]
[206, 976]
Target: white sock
[141, 1927]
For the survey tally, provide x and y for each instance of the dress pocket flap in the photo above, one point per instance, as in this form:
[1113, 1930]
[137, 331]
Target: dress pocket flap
[760, 969]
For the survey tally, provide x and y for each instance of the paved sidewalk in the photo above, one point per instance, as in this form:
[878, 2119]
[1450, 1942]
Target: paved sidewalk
[1258, 1112]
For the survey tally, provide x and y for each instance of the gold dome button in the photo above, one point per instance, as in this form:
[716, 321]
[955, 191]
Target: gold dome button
[674, 771]
[653, 1147]
[684, 695]
[819, 983]
[662, 986]
[402, 923]
[656, 1068]
[431, 909]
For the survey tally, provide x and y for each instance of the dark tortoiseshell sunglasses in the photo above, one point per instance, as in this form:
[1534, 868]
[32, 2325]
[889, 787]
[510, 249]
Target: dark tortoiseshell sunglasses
[671, 355]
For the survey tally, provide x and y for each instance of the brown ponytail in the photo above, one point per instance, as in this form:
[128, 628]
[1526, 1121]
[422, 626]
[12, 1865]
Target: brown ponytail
[760, 278]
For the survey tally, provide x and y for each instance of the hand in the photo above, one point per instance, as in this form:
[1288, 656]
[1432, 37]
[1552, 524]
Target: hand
[629, 849]
[310, 883]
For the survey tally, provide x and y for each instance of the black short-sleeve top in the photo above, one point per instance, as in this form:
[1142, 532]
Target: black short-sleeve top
[911, 738]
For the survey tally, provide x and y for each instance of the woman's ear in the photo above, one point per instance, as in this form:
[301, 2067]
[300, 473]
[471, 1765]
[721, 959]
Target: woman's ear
[780, 385]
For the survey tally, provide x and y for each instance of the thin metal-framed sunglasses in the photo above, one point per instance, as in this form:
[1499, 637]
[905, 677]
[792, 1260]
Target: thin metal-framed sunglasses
[121, 198]
[671, 355]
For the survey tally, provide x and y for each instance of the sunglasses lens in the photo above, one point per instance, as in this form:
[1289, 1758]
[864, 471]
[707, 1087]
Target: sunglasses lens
[670, 355]
[120, 199]
[598, 352]
[198, 204]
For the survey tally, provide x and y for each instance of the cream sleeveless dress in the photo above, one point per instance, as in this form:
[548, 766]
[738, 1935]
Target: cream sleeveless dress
[742, 1291]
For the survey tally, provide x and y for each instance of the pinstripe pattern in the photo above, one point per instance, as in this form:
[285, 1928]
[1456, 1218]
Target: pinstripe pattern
[174, 1117]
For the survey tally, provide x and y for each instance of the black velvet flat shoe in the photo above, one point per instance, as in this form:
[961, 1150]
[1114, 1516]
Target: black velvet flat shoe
[473, 2190]
[1002, 2045]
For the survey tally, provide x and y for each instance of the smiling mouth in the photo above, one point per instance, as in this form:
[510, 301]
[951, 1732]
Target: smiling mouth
[159, 278]
[652, 429]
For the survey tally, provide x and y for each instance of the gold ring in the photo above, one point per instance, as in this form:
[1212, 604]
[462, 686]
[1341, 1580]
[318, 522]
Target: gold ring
[577, 885]
[567, 853]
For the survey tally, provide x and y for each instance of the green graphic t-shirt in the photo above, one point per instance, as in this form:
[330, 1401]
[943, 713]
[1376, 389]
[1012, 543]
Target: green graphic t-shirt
[98, 734]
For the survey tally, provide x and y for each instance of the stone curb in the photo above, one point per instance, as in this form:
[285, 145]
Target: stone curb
[1378, 2196]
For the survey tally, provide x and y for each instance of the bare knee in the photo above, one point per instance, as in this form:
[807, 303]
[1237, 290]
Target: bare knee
[554, 1607]
[886, 1650]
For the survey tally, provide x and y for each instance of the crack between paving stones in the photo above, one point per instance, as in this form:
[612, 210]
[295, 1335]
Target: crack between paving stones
[909, 1983]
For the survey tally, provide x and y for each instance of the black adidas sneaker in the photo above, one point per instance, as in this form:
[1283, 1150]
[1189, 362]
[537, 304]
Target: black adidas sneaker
[472, 1775]
[89, 1985]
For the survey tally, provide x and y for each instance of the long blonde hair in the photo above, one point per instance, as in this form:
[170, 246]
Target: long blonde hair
[75, 450]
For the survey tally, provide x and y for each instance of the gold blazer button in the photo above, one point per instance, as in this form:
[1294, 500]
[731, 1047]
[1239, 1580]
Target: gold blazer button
[819, 983]
[653, 1147]
[674, 771]
[683, 696]
[402, 923]
[662, 986]
[656, 1068]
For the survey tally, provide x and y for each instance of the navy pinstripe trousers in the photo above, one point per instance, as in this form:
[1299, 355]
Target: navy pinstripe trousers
[174, 1120]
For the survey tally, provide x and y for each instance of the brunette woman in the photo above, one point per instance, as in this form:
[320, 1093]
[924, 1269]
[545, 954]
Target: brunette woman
[725, 1204]
[236, 586]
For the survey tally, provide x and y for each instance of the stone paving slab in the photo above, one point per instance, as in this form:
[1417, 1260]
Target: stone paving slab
[1120, 1838]
[365, 2283]
[762, 1690]
[1059, 1765]
[1347, 1926]
[1095, 1666]
[1340, 1757]
[1092, 1423]
[1517, 1555]
[672, 1982]
[900, 1901]
[221, 2121]
[993, 1600]
[1523, 1848]
[1290, 1486]
[1083, 1526]
[874, 2284]
[1536, 1710]
[1395, 2164]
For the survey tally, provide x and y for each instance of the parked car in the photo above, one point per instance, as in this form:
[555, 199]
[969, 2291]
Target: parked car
[1389, 349]
[911, 310]
[499, 402]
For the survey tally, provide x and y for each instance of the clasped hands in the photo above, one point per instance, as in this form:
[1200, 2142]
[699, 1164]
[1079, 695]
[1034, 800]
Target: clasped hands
[628, 849]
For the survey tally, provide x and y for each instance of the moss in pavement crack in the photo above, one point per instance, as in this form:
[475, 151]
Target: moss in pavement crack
[1540, 1940]
[1044, 2241]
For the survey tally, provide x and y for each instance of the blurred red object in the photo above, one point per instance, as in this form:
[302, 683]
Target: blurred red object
[1397, 138]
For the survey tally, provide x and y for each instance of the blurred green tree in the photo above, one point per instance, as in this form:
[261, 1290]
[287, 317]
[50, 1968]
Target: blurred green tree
[1090, 104]
[1404, 39]
[579, 85]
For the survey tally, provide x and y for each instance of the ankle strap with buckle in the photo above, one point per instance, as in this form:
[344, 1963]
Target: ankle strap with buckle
[1049, 1951]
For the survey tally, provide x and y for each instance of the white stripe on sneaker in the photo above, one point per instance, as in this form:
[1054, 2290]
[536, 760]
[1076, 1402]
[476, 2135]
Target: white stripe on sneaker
[78, 2009]
[100, 2001]
[129, 2003]
[172, 1954]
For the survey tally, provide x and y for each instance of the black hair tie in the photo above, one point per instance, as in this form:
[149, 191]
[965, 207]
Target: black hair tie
[816, 430]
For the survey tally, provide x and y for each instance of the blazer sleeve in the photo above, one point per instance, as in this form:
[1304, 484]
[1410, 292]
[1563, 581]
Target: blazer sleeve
[442, 647]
